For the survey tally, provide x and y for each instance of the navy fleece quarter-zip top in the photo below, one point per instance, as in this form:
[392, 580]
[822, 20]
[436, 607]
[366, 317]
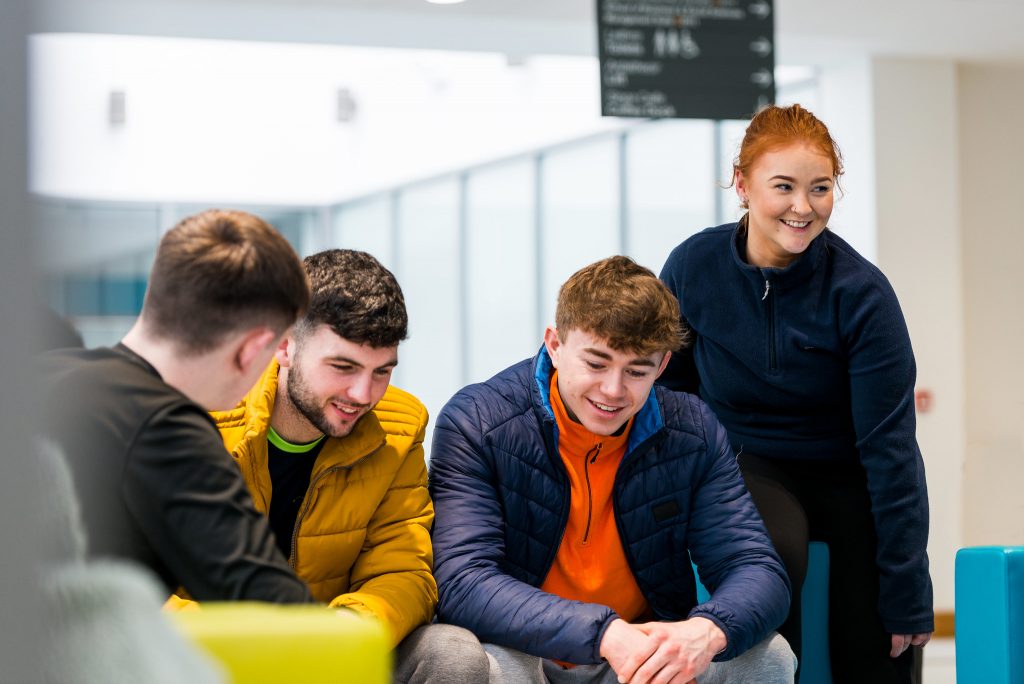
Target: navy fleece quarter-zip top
[812, 362]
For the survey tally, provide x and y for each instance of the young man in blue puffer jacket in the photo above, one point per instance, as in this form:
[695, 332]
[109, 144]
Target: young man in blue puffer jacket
[570, 495]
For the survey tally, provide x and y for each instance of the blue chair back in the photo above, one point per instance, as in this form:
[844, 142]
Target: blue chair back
[990, 615]
[815, 666]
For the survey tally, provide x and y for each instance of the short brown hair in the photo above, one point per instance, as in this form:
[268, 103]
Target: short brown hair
[623, 303]
[222, 271]
[356, 297]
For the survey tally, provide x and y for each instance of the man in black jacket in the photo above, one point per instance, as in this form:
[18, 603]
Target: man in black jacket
[155, 483]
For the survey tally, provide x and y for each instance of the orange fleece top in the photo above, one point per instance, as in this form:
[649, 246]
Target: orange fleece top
[591, 564]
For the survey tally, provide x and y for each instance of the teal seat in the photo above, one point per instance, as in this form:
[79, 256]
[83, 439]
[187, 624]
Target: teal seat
[990, 615]
[816, 667]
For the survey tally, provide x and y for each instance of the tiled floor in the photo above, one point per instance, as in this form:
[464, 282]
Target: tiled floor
[940, 662]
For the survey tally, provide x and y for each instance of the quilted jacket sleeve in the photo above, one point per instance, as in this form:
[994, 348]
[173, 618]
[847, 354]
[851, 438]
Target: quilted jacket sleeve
[475, 589]
[750, 592]
[391, 579]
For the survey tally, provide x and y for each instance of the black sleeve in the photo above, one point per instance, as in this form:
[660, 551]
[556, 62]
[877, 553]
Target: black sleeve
[191, 503]
[681, 372]
[883, 374]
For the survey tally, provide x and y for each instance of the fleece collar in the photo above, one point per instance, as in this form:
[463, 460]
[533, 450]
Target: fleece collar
[783, 278]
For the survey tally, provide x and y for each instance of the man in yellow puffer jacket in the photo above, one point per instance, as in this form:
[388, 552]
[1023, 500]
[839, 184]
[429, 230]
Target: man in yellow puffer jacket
[334, 457]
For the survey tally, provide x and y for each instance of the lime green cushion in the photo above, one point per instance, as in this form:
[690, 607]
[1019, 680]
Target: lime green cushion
[258, 642]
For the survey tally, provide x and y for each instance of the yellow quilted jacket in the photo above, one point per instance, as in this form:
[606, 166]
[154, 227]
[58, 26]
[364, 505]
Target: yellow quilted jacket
[362, 538]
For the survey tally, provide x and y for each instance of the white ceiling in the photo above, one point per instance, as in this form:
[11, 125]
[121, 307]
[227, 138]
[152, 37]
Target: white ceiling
[808, 31]
[558, 10]
[959, 29]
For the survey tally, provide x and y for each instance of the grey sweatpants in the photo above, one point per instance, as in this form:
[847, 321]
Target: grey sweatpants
[769, 662]
[440, 654]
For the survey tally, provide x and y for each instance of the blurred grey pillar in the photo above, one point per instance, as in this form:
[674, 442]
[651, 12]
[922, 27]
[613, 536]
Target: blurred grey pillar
[21, 645]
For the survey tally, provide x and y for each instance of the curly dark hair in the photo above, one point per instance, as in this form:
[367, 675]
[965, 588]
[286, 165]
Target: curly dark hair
[356, 296]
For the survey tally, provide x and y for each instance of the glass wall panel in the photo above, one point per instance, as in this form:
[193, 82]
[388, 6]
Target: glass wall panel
[102, 331]
[501, 263]
[366, 225]
[95, 259]
[671, 186]
[123, 283]
[579, 213]
[428, 271]
[294, 225]
[78, 236]
[82, 295]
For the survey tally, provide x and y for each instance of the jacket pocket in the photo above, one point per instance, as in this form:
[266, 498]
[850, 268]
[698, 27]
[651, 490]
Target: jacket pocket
[671, 510]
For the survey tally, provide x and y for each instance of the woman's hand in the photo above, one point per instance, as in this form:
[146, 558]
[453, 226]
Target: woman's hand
[901, 642]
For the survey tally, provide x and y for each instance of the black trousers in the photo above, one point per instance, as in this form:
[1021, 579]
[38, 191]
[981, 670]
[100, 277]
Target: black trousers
[802, 501]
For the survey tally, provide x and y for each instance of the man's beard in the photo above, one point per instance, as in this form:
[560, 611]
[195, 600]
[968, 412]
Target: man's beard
[310, 407]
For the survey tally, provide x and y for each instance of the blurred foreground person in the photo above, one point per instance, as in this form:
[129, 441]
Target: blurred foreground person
[155, 483]
[102, 618]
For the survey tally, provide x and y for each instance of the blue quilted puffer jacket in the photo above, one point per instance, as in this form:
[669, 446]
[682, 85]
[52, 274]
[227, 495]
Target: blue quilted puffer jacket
[501, 496]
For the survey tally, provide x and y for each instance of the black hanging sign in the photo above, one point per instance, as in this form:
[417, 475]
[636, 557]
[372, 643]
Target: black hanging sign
[695, 59]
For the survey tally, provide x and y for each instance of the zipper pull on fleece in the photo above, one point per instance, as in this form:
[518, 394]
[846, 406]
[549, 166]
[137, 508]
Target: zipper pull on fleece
[767, 287]
[594, 452]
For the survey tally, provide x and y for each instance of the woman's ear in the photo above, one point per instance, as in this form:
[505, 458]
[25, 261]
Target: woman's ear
[741, 187]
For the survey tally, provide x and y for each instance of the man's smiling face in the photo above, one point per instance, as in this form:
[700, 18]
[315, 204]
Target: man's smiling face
[601, 387]
[333, 382]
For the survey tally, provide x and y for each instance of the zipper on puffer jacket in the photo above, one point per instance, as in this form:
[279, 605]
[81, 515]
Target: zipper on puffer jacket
[307, 503]
[627, 546]
[590, 458]
[548, 433]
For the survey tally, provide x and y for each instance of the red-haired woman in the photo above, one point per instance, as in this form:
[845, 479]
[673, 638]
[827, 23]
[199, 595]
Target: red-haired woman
[801, 349]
